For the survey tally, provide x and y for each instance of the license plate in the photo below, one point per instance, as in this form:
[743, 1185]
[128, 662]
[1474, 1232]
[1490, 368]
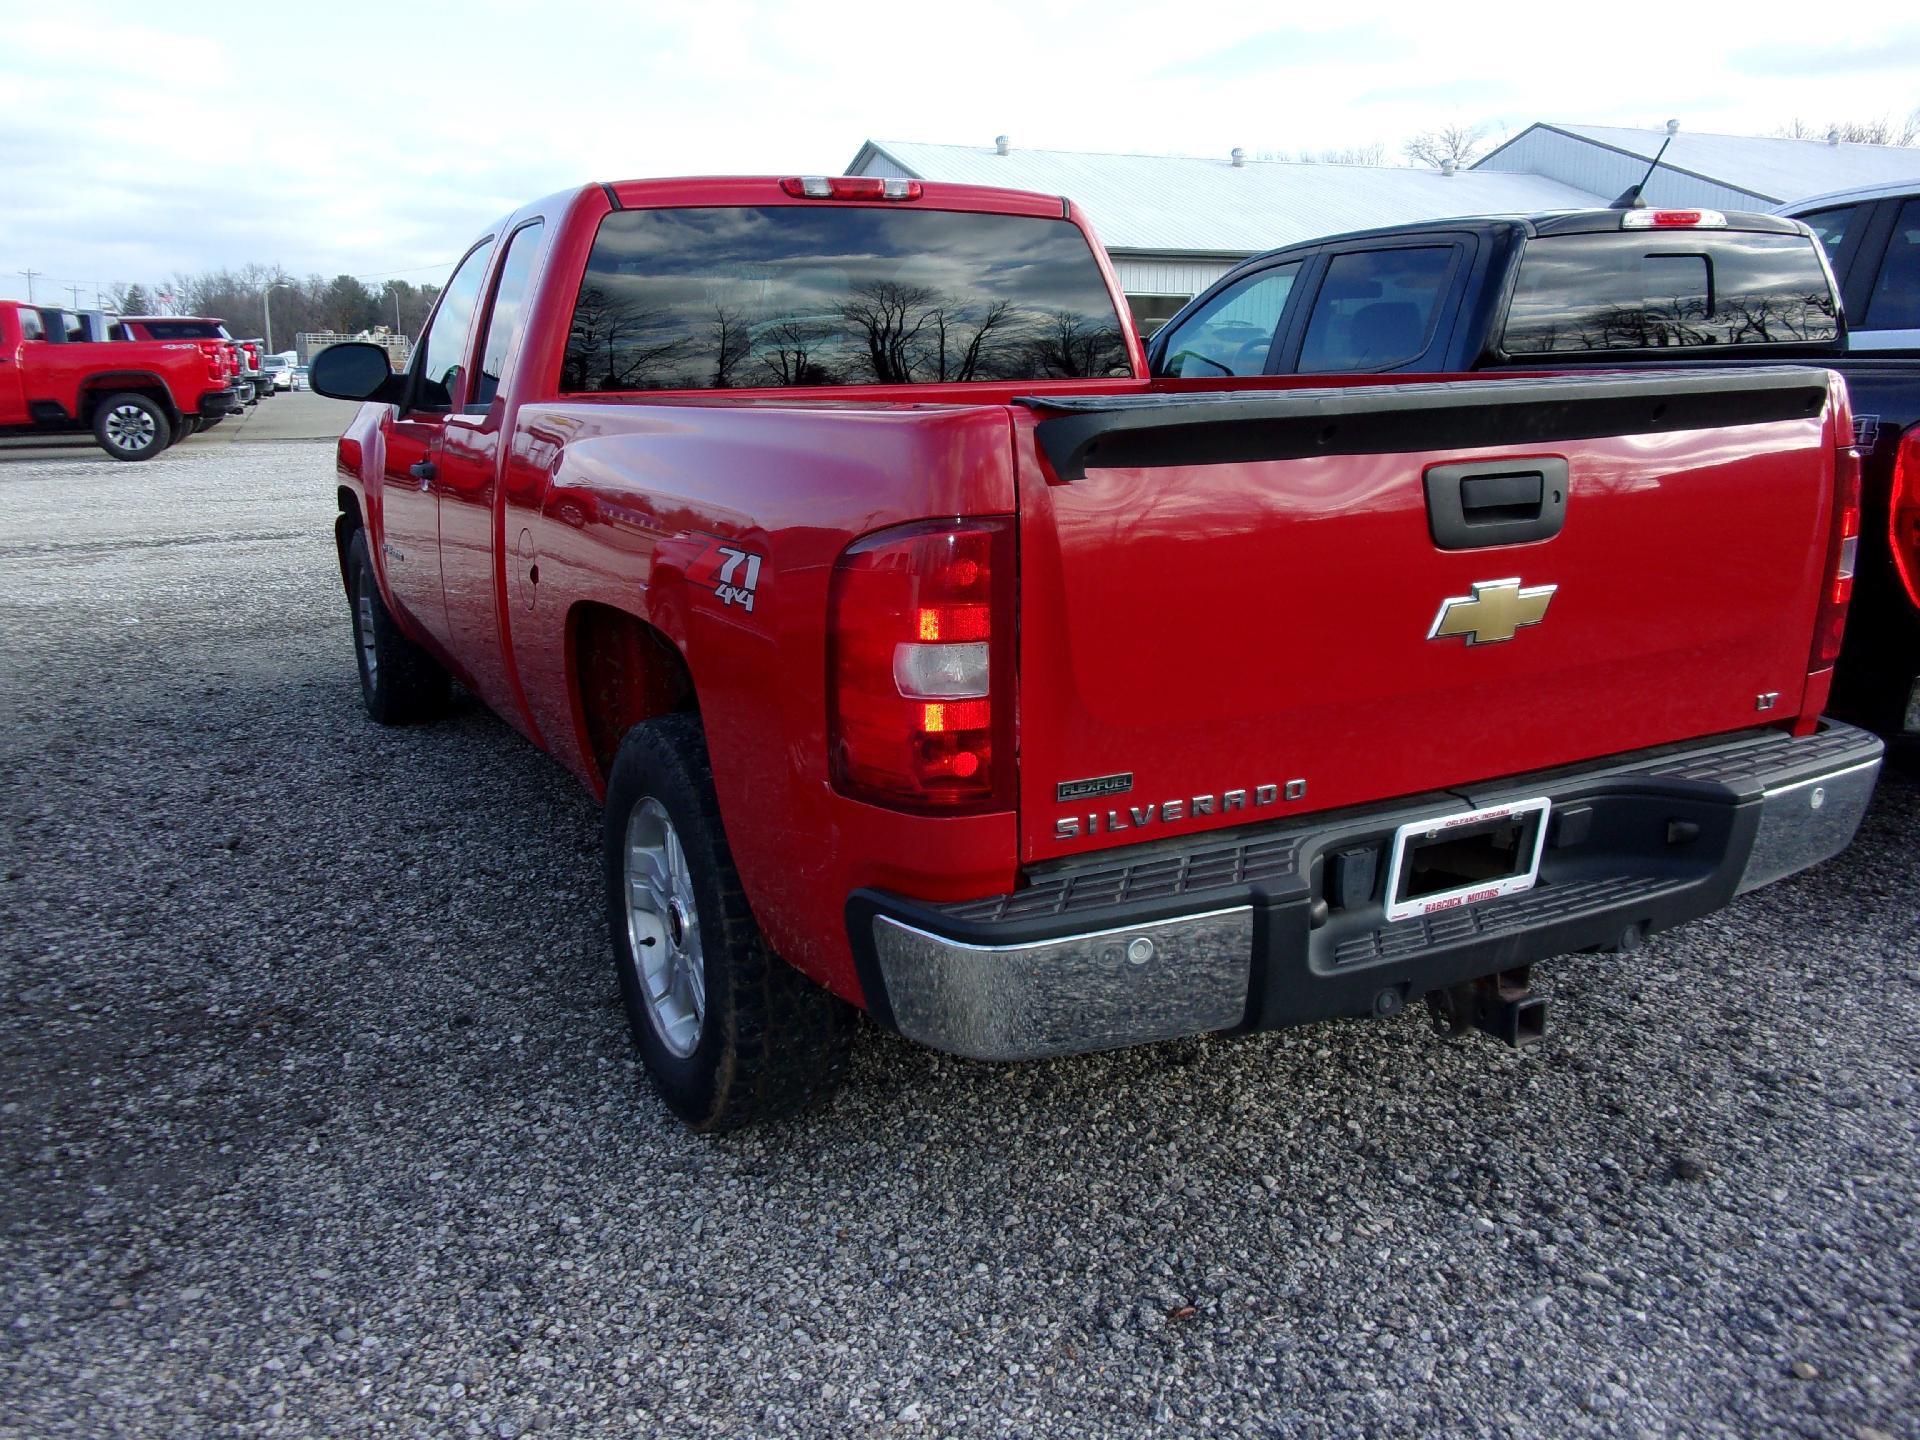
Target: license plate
[1456, 860]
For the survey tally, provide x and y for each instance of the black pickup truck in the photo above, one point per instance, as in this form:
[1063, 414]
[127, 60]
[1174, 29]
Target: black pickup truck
[1618, 288]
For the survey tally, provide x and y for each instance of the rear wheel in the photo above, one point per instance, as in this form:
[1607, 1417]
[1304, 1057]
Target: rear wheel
[131, 427]
[399, 682]
[729, 1032]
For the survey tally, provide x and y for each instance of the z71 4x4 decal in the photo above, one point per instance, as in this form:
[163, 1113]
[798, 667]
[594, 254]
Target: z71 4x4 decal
[730, 572]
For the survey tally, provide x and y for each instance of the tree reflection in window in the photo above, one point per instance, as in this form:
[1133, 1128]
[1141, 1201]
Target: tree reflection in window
[797, 296]
[1610, 292]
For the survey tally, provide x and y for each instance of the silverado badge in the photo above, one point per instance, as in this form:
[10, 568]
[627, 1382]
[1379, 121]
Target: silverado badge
[1493, 612]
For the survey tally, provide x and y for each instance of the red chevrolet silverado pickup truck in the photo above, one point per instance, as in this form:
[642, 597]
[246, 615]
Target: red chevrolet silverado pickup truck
[208, 332]
[932, 659]
[137, 396]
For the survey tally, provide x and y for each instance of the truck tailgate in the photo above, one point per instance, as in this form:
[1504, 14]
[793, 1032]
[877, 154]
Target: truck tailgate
[1246, 605]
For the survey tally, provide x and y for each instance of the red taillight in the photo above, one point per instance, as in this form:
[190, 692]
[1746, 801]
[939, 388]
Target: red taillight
[850, 187]
[921, 666]
[1843, 548]
[347, 456]
[1903, 513]
[216, 367]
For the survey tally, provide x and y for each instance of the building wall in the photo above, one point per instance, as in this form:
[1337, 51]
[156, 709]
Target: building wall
[1149, 274]
[1156, 286]
[1608, 172]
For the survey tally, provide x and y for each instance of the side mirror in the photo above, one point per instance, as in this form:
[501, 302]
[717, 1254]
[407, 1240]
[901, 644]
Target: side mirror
[354, 370]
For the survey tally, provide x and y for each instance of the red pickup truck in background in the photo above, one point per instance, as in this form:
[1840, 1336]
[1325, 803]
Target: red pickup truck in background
[933, 659]
[137, 396]
[249, 377]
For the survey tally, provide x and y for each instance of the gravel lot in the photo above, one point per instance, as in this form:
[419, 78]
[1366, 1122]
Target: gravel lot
[320, 1119]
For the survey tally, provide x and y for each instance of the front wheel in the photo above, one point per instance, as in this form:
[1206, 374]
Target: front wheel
[399, 682]
[729, 1032]
[131, 427]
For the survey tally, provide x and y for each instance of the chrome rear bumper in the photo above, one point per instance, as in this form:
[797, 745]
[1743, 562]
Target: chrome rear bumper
[1097, 991]
[1234, 931]
[1806, 822]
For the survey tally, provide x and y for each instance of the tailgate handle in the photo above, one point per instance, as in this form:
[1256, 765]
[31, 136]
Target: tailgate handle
[1496, 502]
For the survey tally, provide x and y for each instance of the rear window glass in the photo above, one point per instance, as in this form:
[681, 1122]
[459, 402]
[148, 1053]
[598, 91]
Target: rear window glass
[184, 329]
[836, 295]
[1625, 291]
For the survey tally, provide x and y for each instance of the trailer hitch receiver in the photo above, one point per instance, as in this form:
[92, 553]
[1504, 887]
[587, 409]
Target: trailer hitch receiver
[1503, 1006]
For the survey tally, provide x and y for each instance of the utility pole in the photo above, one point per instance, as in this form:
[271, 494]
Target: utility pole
[266, 304]
[30, 274]
[74, 290]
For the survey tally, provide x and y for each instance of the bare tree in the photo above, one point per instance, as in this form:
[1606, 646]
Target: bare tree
[791, 358]
[1374, 154]
[613, 346]
[1881, 131]
[889, 316]
[732, 344]
[1461, 143]
[963, 342]
[1071, 346]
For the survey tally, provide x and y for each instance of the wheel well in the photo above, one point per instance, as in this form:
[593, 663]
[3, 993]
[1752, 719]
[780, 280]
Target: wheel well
[344, 525]
[624, 671]
[99, 387]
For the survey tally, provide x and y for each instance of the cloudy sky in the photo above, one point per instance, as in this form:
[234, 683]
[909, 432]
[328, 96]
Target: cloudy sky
[137, 140]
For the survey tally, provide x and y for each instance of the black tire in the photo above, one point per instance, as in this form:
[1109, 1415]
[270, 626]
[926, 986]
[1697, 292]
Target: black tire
[770, 1041]
[189, 425]
[129, 426]
[400, 683]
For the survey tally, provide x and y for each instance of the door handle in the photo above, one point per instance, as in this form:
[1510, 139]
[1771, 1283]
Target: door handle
[1496, 502]
[423, 471]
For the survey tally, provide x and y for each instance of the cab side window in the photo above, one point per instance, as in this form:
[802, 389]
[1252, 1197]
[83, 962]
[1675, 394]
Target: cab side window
[30, 326]
[1376, 308]
[443, 349]
[1895, 302]
[1233, 332]
[509, 314]
[1833, 226]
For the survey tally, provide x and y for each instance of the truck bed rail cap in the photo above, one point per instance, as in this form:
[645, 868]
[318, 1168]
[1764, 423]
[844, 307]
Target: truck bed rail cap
[1213, 427]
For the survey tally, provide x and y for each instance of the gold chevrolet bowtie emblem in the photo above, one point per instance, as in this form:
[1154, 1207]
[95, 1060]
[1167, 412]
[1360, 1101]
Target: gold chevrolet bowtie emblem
[1493, 612]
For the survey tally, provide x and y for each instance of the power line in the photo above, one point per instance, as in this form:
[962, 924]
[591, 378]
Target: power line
[72, 285]
[410, 270]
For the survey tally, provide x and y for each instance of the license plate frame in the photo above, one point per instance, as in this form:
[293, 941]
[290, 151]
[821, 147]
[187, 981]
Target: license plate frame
[1532, 814]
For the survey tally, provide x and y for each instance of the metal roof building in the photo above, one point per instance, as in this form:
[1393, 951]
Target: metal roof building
[1733, 172]
[1174, 224]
